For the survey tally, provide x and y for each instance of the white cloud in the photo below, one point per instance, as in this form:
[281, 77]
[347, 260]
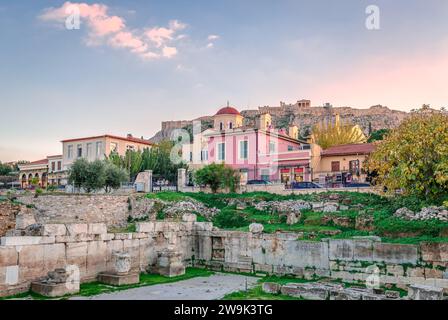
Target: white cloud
[211, 40]
[105, 29]
[213, 37]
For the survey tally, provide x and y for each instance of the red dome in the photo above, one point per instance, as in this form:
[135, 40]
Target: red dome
[228, 110]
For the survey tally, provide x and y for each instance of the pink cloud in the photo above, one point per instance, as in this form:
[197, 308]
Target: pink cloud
[111, 30]
[396, 81]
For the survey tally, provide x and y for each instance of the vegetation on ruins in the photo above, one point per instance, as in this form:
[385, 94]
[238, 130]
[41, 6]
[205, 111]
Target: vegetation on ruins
[328, 134]
[217, 176]
[237, 212]
[414, 156]
[156, 159]
[96, 175]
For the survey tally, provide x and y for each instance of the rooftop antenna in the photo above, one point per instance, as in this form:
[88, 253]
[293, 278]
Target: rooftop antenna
[228, 104]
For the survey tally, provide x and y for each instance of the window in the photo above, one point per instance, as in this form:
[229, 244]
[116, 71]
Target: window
[244, 149]
[88, 150]
[59, 165]
[113, 147]
[99, 149]
[265, 174]
[354, 167]
[129, 147]
[70, 152]
[204, 155]
[191, 156]
[230, 125]
[272, 147]
[79, 150]
[221, 151]
[290, 148]
[53, 166]
[221, 126]
[335, 166]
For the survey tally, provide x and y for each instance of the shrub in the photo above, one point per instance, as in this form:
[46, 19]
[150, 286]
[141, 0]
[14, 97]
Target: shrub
[217, 176]
[230, 218]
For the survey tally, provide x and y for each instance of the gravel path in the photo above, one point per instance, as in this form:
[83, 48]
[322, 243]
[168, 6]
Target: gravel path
[201, 288]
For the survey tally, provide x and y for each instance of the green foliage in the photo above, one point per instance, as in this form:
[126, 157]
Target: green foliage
[5, 169]
[167, 196]
[92, 176]
[217, 176]
[34, 181]
[230, 218]
[95, 176]
[114, 176]
[378, 135]
[414, 157]
[78, 173]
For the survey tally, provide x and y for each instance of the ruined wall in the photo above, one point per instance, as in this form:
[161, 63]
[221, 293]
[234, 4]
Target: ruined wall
[96, 208]
[90, 248]
[8, 212]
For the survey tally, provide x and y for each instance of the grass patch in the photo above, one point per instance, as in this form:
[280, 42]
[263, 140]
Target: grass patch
[167, 196]
[257, 293]
[95, 288]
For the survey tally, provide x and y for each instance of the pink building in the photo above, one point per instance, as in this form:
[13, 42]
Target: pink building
[259, 152]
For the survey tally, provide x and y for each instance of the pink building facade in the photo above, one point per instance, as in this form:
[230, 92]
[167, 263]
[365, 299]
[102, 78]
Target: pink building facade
[260, 152]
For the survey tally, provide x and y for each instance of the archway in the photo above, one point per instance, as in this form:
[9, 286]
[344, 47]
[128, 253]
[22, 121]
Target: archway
[44, 180]
[37, 178]
[24, 181]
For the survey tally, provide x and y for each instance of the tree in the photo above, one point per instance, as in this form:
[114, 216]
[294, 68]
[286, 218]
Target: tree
[114, 176]
[5, 169]
[78, 173]
[333, 134]
[414, 156]
[378, 135]
[217, 176]
[95, 176]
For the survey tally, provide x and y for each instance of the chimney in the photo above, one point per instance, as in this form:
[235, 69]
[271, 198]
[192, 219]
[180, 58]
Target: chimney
[129, 135]
[293, 131]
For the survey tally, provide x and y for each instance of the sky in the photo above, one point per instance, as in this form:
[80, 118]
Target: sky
[132, 64]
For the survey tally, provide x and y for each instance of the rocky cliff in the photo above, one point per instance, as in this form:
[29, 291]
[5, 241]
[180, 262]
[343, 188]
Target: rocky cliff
[374, 118]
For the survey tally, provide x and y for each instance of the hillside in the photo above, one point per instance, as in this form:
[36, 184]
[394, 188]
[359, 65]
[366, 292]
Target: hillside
[374, 118]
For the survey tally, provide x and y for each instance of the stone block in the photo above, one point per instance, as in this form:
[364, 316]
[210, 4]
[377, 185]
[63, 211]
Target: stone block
[431, 273]
[133, 248]
[341, 249]
[363, 250]
[271, 287]
[137, 235]
[395, 270]
[434, 251]
[8, 256]
[145, 227]
[422, 292]
[97, 228]
[391, 294]
[395, 253]
[189, 217]
[31, 262]
[54, 230]
[119, 279]
[54, 290]
[54, 256]
[77, 228]
[96, 258]
[305, 290]
[123, 236]
[415, 272]
[345, 294]
[76, 254]
[26, 240]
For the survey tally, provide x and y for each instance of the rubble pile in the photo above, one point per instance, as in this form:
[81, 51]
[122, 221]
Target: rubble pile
[429, 213]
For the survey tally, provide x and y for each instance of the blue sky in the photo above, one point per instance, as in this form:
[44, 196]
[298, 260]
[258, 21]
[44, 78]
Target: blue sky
[55, 85]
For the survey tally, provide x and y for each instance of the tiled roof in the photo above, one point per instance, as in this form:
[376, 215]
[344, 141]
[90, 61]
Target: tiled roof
[130, 139]
[228, 110]
[349, 149]
[43, 161]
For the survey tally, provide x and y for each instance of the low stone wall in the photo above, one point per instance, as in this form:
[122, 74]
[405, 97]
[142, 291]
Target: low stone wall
[280, 189]
[90, 247]
[113, 210]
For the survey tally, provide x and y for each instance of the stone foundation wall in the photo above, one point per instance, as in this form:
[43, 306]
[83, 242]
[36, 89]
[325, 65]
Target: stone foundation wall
[8, 212]
[96, 208]
[90, 247]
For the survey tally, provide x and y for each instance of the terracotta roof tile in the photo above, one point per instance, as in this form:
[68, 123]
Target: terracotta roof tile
[349, 149]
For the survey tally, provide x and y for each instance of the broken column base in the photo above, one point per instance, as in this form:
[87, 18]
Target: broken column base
[169, 264]
[115, 279]
[54, 290]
